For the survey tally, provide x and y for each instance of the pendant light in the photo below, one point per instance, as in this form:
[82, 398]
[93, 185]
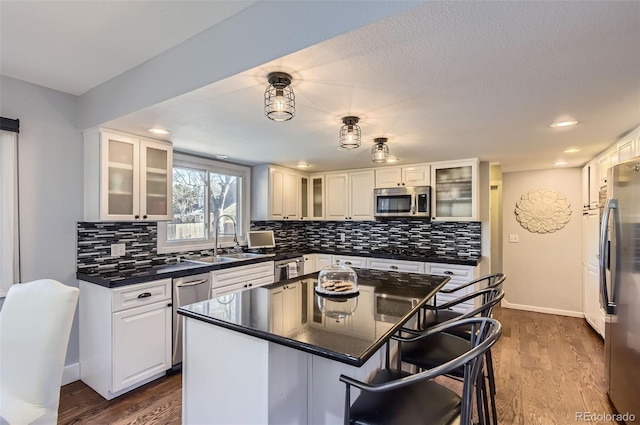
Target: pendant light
[279, 100]
[350, 133]
[380, 150]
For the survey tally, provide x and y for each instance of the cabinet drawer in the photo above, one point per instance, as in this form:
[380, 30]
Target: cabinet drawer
[350, 261]
[141, 294]
[241, 274]
[461, 273]
[396, 265]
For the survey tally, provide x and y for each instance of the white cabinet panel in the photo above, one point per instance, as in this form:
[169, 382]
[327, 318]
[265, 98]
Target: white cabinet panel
[141, 344]
[322, 261]
[349, 196]
[415, 175]
[459, 275]
[275, 193]
[309, 263]
[126, 177]
[396, 265]
[455, 190]
[351, 261]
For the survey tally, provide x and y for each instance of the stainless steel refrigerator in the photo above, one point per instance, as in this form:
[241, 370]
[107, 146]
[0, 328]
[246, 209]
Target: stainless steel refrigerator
[620, 286]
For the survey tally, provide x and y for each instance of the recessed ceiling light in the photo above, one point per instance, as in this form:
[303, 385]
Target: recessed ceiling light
[221, 156]
[563, 124]
[158, 131]
[571, 150]
[303, 165]
[560, 163]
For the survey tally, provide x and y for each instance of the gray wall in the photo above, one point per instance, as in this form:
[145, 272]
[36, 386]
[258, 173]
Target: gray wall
[544, 271]
[50, 149]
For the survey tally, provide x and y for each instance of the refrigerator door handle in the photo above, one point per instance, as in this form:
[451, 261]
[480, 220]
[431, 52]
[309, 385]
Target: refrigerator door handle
[612, 204]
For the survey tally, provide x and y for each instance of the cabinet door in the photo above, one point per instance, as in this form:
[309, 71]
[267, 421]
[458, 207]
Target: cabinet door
[291, 196]
[396, 265]
[337, 196]
[309, 263]
[292, 306]
[304, 198]
[594, 186]
[120, 177]
[360, 262]
[585, 187]
[322, 261]
[141, 344]
[276, 316]
[626, 150]
[416, 176]
[277, 194]
[317, 197]
[388, 177]
[361, 186]
[361, 323]
[455, 197]
[156, 161]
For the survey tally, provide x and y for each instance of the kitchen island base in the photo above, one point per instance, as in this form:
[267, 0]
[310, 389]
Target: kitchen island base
[233, 378]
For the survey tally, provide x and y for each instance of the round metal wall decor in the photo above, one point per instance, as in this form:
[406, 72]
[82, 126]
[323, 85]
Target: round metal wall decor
[543, 211]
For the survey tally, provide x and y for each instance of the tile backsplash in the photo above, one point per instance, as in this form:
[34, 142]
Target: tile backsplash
[448, 238]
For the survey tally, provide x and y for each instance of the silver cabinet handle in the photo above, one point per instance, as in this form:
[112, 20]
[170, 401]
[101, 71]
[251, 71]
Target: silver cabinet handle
[393, 267]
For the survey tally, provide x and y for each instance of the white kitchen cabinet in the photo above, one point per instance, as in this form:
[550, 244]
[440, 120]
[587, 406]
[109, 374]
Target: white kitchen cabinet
[593, 313]
[349, 196]
[396, 265]
[126, 177]
[125, 335]
[594, 185]
[415, 175]
[316, 197]
[585, 187]
[285, 309]
[606, 161]
[241, 277]
[455, 190]
[459, 275]
[275, 193]
[309, 263]
[351, 261]
[322, 261]
[627, 149]
[360, 322]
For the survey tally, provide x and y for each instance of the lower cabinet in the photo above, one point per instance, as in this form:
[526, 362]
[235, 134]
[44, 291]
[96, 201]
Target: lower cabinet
[285, 303]
[322, 261]
[125, 335]
[351, 261]
[459, 275]
[396, 265]
[309, 263]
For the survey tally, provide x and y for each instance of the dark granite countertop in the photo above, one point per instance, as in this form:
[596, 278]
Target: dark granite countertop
[343, 343]
[114, 277]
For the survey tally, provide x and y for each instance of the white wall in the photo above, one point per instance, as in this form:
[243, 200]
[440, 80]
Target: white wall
[50, 173]
[544, 271]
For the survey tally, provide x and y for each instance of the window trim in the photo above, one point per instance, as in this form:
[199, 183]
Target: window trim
[181, 159]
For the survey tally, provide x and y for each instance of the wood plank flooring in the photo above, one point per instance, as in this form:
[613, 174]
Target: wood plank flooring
[547, 369]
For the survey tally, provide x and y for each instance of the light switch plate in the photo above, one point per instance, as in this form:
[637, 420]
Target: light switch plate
[514, 238]
[117, 249]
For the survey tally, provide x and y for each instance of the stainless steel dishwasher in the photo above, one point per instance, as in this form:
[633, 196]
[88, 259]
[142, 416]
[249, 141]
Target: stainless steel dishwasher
[186, 290]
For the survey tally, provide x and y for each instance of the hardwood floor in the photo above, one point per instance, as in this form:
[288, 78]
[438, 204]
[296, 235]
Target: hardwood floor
[548, 368]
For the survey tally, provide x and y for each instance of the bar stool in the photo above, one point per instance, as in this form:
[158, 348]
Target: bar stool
[397, 397]
[431, 351]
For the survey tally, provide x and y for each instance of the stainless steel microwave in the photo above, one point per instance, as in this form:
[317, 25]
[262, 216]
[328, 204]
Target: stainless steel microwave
[403, 202]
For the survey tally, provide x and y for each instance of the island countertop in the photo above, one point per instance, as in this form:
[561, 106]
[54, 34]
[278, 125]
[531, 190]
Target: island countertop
[252, 312]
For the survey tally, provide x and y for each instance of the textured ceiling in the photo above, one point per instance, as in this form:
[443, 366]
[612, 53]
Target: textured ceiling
[444, 80]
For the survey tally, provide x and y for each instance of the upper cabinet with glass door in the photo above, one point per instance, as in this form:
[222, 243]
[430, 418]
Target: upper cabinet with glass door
[455, 190]
[126, 178]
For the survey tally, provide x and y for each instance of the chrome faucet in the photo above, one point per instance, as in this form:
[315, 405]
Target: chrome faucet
[215, 232]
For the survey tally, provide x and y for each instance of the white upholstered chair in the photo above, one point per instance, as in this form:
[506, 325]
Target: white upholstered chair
[35, 323]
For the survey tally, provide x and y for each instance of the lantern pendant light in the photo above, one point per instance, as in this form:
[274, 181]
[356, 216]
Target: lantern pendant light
[279, 100]
[380, 150]
[350, 133]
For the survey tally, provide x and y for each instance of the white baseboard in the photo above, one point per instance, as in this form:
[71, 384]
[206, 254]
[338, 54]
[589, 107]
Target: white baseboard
[545, 310]
[71, 373]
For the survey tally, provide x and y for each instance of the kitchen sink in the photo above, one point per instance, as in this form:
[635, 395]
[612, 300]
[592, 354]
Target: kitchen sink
[210, 260]
[243, 256]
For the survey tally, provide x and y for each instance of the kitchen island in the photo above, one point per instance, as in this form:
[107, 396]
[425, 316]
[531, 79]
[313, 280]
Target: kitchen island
[273, 355]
